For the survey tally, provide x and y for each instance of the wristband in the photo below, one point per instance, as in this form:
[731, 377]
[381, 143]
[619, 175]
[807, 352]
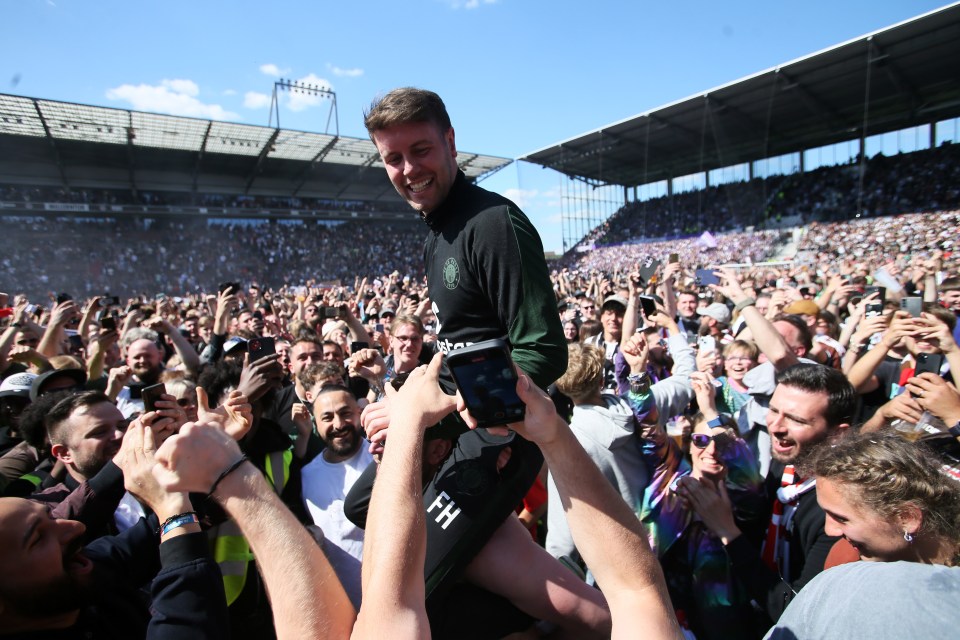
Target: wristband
[177, 521]
[225, 473]
[743, 304]
[955, 430]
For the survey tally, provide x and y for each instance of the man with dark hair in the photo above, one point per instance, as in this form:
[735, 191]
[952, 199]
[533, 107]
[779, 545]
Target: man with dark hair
[307, 349]
[85, 431]
[326, 480]
[811, 405]
[486, 278]
[486, 273]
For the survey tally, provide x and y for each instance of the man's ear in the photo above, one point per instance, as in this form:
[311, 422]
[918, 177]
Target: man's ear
[450, 137]
[436, 451]
[61, 452]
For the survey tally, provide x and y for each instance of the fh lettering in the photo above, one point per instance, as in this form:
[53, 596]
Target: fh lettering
[447, 512]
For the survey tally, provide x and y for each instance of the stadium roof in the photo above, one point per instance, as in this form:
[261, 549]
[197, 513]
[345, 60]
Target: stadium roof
[59, 143]
[912, 72]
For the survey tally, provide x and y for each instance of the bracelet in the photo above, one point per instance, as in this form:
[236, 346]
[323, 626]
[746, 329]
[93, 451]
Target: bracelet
[743, 304]
[225, 473]
[177, 521]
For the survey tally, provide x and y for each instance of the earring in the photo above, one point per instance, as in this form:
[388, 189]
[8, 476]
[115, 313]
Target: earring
[907, 536]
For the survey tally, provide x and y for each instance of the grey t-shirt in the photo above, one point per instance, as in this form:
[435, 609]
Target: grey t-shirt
[874, 600]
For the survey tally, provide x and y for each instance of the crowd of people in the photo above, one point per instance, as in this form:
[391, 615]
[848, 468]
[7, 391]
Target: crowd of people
[923, 180]
[195, 431]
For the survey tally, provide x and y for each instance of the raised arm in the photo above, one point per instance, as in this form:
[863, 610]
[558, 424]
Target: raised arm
[307, 599]
[605, 530]
[395, 543]
[771, 343]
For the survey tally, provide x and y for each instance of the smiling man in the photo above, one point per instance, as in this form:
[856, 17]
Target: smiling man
[811, 405]
[326, 480]
[486, 272]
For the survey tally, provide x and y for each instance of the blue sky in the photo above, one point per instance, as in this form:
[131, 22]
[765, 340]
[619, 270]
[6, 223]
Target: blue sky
[516, 75]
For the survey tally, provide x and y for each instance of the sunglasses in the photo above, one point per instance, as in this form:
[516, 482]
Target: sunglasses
[702, 440]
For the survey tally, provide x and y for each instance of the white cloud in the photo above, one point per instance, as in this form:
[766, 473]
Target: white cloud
[355, 72]
[254, 100]
[186, 87]
[299, 101]
[176, 97]
[273, 70]
[229, 92]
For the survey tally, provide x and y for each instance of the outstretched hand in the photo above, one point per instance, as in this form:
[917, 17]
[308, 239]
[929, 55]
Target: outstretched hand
[234, 416]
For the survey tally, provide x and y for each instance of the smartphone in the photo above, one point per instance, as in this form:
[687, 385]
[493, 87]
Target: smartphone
[108, 323]
[331, 312]
[63, 297]
[673, 258]
[648, 270]
[260, 348]
[929, 363]
[882, 291]
[487, 381]
[229, 287]
[706, 277]
[649, 305]
[707, 344]
[914, 306]
[109, 301]
[357, 346]
[150, 396]
[378, 327]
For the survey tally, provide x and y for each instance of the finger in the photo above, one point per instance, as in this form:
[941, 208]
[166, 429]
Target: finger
[202, 400]
[149, 442]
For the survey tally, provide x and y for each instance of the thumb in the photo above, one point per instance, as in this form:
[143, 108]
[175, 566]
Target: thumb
[202, 400]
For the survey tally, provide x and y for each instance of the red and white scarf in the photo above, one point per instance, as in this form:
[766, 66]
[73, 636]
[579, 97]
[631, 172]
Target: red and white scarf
[776, 546]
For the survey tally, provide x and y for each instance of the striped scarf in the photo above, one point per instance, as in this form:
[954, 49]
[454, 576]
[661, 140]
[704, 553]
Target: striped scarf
[776, 546]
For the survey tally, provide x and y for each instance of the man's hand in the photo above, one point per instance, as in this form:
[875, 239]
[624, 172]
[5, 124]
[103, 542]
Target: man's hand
[119, 376]
[901, 327]
[166, 419]
[193, 459]
[729, 285]
[368, 364]
[137, 459]
[235, 415]
[300, 414]
[421, 400]
[158, 324]
[63, 313]
[661, 319]
[932, 393]
[259, 376]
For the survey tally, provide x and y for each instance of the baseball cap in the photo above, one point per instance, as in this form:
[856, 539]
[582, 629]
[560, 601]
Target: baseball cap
[802, 307]
[44, 381]
[614, 299]
[17, 385]
[718, 311]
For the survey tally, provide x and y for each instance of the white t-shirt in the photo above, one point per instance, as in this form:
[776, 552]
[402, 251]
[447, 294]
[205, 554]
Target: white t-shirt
[325, 486]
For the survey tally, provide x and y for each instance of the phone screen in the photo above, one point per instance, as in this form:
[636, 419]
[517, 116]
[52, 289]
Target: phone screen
[260, 348]
[150, 396]
[487, 381]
